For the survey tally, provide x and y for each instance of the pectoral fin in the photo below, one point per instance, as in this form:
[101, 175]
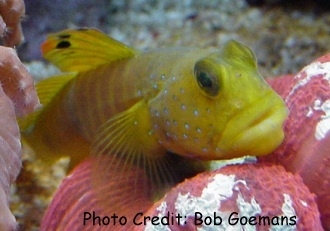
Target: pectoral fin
[129, 137]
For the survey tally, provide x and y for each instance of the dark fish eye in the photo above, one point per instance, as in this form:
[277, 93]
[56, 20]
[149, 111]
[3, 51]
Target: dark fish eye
[207, 82]
[204, 80]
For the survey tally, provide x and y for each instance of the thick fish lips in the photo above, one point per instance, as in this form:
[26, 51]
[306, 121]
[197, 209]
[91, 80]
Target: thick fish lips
[257, 129]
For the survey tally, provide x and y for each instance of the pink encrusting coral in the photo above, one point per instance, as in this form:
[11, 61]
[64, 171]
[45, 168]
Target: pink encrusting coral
[79, 205]
[306, 148]
[11, 13]
[237, 197]
[276, 198]
[17, 83]
[10, 150]
[17, 98]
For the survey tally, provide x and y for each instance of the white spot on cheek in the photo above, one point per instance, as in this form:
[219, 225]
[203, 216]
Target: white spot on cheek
[181, 90]
[186, 126]
[162, 77]
[198, 130]
[165, 111]
[173, 78]
[183, 107]
[196, 113]
[185, 136]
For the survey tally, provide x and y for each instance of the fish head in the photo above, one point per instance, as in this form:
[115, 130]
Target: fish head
[218, 107]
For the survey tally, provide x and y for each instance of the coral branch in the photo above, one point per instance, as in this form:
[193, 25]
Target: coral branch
[11, 13]
[17, 98]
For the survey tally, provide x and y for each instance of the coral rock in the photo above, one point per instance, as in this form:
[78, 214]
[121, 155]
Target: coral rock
[10, 162]
[17, 98]
[79, 197]
[235, 194]
[17, 83]
[11, 13]
[306, 147]
[248, 189]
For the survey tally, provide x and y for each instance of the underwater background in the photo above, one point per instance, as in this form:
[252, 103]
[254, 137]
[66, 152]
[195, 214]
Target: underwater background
[285, 35]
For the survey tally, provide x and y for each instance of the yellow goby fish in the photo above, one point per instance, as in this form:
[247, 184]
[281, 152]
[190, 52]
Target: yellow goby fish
[206, 104]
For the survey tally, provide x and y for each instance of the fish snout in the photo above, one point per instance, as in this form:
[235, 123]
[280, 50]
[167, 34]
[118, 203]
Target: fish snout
[256, 129]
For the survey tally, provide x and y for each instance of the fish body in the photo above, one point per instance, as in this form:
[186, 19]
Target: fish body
[205, 104]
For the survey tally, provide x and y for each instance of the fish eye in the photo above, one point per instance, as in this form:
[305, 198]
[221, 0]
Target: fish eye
[208, 82]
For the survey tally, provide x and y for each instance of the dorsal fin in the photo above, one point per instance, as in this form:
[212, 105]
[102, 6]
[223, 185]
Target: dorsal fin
[239, 53]
[82, 49]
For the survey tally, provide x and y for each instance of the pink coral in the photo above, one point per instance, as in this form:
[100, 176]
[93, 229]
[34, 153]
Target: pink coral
[248, 189]
[306, 148]
[10, 153]
[11, 13]
[17, 98]
[17, 83]
[77, 198]
[239, 197]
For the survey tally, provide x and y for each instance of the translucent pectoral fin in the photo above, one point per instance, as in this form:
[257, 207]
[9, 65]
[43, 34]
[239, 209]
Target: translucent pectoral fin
[126, 142]
[128, 137]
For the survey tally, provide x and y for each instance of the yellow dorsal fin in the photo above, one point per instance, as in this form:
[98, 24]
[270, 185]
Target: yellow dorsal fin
[47, 89]
[82, 49]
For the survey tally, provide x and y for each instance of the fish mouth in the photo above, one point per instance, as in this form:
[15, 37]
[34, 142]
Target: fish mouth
[257, 129]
